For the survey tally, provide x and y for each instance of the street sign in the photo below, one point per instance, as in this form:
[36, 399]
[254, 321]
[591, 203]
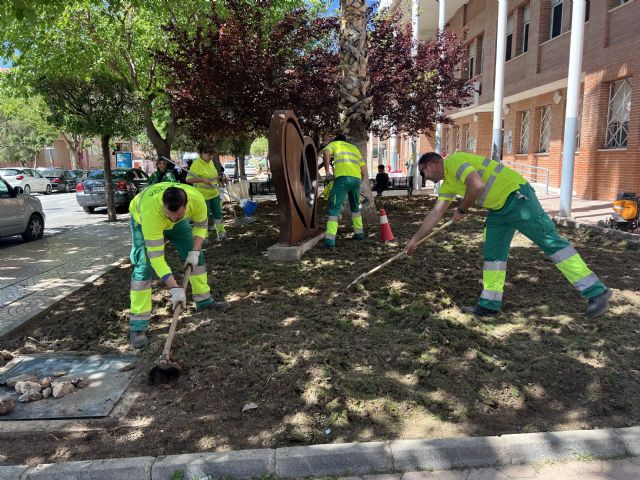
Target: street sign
[123, 159]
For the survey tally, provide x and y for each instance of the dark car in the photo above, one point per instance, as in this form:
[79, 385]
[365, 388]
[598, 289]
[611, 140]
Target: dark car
[61, 180]
[126, 183]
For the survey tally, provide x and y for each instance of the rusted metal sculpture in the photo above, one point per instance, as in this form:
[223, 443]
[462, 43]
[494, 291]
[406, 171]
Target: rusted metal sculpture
[294, 170]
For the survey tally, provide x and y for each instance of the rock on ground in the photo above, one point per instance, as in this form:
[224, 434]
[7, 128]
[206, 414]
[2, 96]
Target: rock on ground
[45, 382]
[30, 396]
[27, 377]
[60, 389]
[7, 405]
[28, 387]
[46, 393]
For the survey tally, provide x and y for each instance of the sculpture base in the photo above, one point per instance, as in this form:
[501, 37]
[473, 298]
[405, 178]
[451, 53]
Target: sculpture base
[292, 253]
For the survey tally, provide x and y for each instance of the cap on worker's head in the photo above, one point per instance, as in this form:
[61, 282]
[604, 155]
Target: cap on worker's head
[429, 157]
[340, 137]
[160, 160]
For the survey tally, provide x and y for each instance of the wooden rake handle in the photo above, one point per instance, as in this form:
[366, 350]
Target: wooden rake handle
[397, 256]
[176, 312]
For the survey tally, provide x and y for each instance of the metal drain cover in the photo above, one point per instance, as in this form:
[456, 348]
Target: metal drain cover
[106, 384]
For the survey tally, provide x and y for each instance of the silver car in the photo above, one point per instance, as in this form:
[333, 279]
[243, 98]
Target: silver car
[30, 180]
[20, 214]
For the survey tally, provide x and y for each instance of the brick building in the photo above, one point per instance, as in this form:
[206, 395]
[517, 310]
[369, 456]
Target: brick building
[538, 32]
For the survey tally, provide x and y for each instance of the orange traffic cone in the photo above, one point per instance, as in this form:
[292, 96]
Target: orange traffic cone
[386, 235]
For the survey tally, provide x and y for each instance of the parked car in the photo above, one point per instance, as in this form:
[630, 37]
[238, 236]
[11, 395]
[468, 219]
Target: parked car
[61, 180]
[28, 179]
[126, 183]
[20, 214]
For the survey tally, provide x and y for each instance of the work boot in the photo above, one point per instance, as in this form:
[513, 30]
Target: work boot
[223, 237]
[358, 236]
[599, 304]
[218, 307]
[138, 339]
[479, 311]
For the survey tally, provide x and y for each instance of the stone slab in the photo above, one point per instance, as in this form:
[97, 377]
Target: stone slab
[538, 447]
[106, 384]
[333, 459]
[286, 253]
[237, 464]
[138, 468]
[446, 453]
[13, 472]
[631, 438]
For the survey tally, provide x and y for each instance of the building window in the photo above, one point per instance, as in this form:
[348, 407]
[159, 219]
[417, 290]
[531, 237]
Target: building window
[556, 18]
[545, 129]
[458, 142]
[579, 124]
[619, 109]
[524, 131]
[445, 140]
[587, 9]
[525, 28]
[509, 48]
[471, 60]
[479, 55]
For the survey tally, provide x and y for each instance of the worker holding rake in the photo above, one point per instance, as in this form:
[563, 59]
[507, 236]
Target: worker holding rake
[162, 211]
[512, 205]
[203, 175]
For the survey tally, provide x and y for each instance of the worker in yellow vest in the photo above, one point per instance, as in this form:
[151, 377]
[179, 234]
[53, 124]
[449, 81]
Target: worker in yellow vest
[204, 176]
[160, 212]
[348, 170]
[512, 205]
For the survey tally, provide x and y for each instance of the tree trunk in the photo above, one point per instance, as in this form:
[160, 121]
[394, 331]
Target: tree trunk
[162, 145]
[108, 179]
[243, 175]
[354, 102]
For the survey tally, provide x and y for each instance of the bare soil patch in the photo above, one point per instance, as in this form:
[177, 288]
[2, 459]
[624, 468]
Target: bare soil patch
[398, 360]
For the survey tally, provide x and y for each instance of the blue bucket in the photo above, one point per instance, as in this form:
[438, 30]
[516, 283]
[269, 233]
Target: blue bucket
[248, 207]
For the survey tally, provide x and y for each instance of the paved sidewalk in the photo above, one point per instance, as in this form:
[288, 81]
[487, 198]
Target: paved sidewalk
[624, 469]
[36, 275]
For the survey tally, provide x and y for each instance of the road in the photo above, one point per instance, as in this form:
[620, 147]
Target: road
[62, 214]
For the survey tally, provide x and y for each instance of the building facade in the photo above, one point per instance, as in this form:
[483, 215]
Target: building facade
[538, 34]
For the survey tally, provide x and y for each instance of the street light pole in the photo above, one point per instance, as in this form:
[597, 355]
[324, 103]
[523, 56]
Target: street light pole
[498, 90]
[413, 146]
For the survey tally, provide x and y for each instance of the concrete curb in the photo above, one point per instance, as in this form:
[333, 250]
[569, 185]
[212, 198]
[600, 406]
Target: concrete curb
[351, 458]
[615, 234]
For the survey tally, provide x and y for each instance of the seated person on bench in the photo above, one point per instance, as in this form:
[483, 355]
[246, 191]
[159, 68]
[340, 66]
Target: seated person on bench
[382, 180]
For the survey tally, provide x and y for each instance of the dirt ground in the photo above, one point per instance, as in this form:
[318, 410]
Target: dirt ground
[323, 364]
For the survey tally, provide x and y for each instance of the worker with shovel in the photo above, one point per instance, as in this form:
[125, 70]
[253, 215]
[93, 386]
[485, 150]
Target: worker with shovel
[162, 211]
[512, 205]
[203, 175]
[348, 170]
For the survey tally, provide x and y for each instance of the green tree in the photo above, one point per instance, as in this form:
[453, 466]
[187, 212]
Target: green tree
[101, 105]
[24, 128]
[260, 147]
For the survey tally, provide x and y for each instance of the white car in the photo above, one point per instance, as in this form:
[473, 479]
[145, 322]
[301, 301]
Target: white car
[20, 214]
[30, 180]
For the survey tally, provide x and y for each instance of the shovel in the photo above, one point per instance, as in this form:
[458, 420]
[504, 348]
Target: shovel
[165, 371]
[397, 256]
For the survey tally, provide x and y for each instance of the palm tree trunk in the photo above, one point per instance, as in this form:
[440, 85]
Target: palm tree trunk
[354, 101]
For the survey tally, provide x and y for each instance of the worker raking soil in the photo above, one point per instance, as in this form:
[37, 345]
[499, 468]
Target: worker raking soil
[162, 211]
[512, 205]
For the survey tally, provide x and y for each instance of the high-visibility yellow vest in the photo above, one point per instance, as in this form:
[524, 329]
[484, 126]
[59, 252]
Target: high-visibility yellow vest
[346, 159]
[147, 209]
[499, 181]
[208, 171]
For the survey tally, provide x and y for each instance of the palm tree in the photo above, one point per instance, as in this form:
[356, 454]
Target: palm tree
[354, 102]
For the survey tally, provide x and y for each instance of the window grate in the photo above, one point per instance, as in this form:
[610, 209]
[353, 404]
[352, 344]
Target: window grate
[545, 129]
[524, 131]
[579, 124]
[619, 109]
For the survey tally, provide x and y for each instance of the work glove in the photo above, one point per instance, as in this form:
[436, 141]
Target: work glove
[328, 178]
[192, 259]
[178, 297]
